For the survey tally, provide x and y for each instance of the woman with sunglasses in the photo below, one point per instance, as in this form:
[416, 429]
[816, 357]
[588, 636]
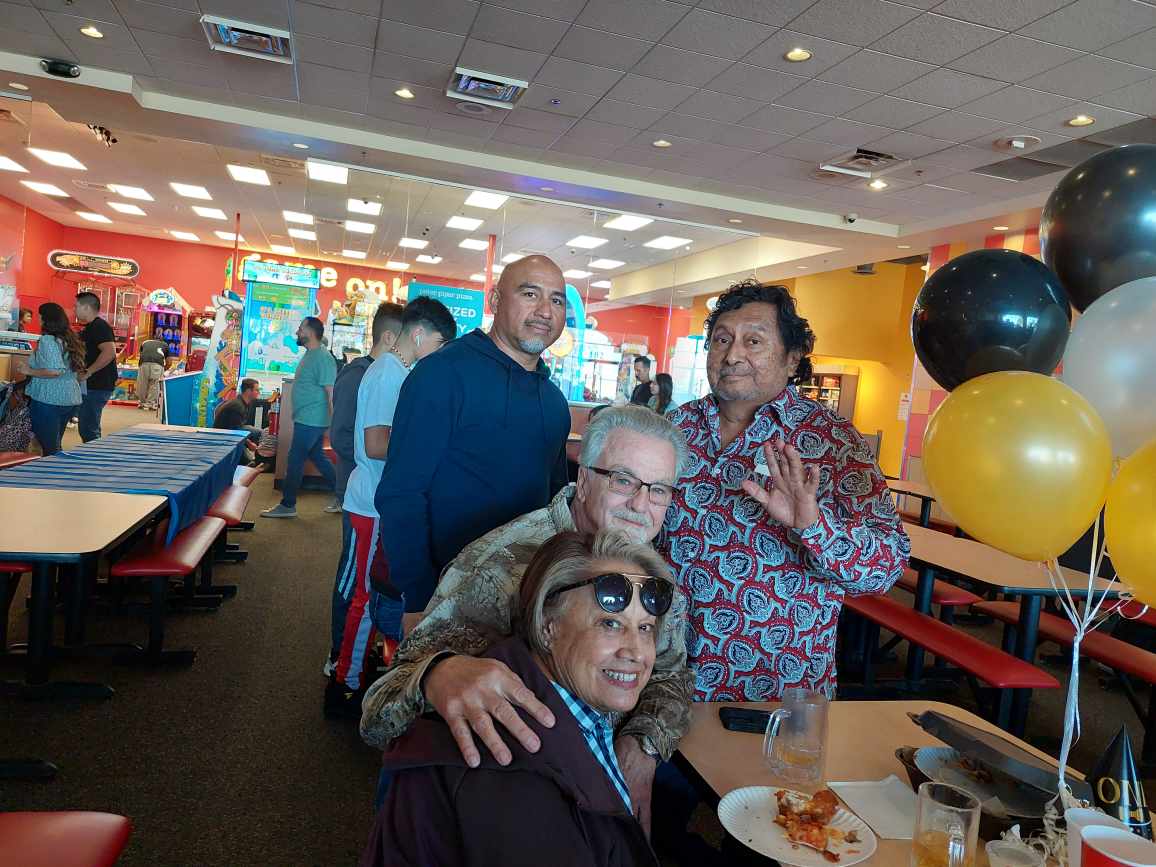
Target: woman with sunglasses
[589, 610]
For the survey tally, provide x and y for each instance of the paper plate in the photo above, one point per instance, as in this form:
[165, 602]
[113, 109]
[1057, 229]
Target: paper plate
[749, 816]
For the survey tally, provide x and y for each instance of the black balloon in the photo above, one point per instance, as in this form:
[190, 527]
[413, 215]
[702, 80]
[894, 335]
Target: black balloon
[990, 310]
[1098, 228]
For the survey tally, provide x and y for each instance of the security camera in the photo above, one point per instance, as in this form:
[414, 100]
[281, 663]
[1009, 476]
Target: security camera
[426, 230]
[60, 68]
[850, 218]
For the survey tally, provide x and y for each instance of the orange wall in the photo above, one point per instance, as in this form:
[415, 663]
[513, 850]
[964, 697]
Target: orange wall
[652, 324]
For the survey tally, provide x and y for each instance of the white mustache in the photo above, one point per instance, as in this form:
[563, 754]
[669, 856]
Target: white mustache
[633, 516]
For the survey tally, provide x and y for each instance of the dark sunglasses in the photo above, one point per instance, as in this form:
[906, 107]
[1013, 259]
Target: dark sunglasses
[614, 590]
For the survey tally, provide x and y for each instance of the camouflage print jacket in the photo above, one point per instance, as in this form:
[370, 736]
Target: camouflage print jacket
[473, 608]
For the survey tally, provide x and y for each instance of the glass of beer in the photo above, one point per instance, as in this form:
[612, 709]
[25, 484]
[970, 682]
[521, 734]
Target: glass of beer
[795, 744]
[946, 827]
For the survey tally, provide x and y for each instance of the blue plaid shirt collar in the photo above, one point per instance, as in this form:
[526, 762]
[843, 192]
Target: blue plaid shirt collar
[599, 735]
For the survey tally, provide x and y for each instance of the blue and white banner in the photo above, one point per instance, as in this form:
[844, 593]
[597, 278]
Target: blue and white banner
[465, 305]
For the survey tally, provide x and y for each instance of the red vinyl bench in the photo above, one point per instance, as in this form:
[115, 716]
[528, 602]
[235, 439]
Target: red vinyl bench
[15, 459]
[1127, 660]
[246, 475]
[159, 562]
[946, 595]
[10, 572]
[230, 507]
[62, 839]
[997, 668]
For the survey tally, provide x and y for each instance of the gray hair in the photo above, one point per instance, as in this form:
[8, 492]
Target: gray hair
[639, 419]
[565, 559]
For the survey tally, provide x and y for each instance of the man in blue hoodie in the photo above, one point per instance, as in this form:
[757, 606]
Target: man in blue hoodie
[479, 434]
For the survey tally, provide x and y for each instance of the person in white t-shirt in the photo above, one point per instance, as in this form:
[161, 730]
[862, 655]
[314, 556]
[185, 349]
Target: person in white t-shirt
[426, 324]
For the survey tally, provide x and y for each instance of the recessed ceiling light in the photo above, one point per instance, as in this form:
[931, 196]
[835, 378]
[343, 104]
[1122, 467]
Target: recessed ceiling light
[184, 236]
[1081, 120]
[16, 85]
[93, 218]
[45, 189]
[474, 244]
[297, 217]
[576, 274]
[999, 228]
[667, 242]
[353, 254]
[397, 266]
[404, 93]
[282, 250]
[429, 260]
[191, 191]
[878, 184]
[466, 223]
[209, 213]
[480, 199]
[478, 278]
[798, 54]
[586, 242]
[510, 258]
[303, 234]
[660, 143]
[903, 246]
[57, 158]
[138, 193]
[249, 175]
[91, 31]
[7, 165]
[300, 145]
[605, 264]
[415, 243]
[364, 206]
[600, 284]
[126, 208]
[359, 227]
[327, 172]
[627, 222]
[229, 236]
[735, 220]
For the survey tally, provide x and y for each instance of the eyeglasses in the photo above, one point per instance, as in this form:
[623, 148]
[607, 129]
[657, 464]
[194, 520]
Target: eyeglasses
[614, 590]
[622, 482]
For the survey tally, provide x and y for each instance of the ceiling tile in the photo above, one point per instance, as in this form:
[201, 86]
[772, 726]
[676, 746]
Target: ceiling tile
[956, 126]
[190, 73]
[452, 16]
[411, 70]
[999, 13]
[517, 29]
[44, 44]
[25, 19]
[333, 88]
[983, 184]
[1015, 103]
[747, 137]
[846, 133]
[543, 121]
[809, 149]
[894, 113]
[313, 49]
[1106, 118]
[129, 60]
[758, 170]
[101, 10]
[116, 36]
[987, 141]
[175, 48]
[563, 10]
[718, 106]
[263, 79]
[569, 103]
[1139, 49]
[643, 19]
[1014, 58]
[830, 99]
[579, 77]
[592, 130]
[685, 125]
[859, 22]
[755, 82]
[825, 53]
[275, 13]
[501, 59]
[650, 91]
[936, 39]
[382, 103]
[395, 37]
[871, 70]
[775, 14]
[624, 113]
[675, 64]
[160, 19]
[527, 137]
[460, 123]
[602, 48]
[1092, 24]
[947, 88]
[787, 121]
[720, 35]
[1140, 98]
[347, 27]
[361, 7]
[909, 146]
[1089, 76]
[599, 149]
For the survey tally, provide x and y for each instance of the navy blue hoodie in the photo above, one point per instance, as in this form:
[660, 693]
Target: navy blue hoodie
[477, 440]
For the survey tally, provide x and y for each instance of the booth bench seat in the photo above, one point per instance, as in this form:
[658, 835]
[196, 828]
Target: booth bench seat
[62, 839]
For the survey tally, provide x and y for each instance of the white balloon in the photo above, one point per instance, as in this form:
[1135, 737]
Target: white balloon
[1111, 361]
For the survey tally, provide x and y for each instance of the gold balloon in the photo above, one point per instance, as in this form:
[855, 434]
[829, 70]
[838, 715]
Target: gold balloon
[1130, 523]
[1020, 460]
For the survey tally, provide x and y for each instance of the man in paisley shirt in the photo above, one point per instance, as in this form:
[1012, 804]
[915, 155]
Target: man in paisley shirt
[781, 512]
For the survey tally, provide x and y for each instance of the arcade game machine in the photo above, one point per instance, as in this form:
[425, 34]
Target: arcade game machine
[349, 324]
[164, 309]
[277, 298]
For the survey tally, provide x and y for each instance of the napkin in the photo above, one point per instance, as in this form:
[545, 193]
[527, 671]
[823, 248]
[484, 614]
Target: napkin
[887, 805]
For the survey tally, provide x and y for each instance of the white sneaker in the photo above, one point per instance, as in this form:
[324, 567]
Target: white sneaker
[334, 507]
[329, 667]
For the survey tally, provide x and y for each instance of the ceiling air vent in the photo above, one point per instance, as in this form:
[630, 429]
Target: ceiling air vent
[250, 40]
[862, 163]
[486, 88]
[282, 163]
[867, 269]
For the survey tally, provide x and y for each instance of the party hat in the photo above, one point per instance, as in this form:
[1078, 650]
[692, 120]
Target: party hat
[1117, 788]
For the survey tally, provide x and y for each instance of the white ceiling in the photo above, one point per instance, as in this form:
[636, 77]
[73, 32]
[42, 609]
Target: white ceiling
[935, 81]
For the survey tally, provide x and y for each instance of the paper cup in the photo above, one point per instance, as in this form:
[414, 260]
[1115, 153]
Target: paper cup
[1079, 818]
[1114, 847]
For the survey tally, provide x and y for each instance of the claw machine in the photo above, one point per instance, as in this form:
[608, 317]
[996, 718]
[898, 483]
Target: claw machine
[277, 298]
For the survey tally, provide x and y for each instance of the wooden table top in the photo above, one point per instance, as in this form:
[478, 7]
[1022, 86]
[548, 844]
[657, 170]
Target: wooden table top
[862, 739]
[42, 523]
[914, 489]
[989, 566]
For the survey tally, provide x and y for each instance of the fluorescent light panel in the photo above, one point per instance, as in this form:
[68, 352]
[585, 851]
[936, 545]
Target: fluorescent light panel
[138, 193]
[466, 223]
[667, 242]
[191, 191]
[513, 257]
[297, 217]
[600, 284]
[429, 260]
[413, 243]
[360, 228]
[209, 213]
[576, 274]
[45, 189]
[478, 278]
[229, 236]
[93, 218]
[8, 165]
[353, 254]
[326, 172]
[627, 223]
[586, 242]
[396, 266]
[282, 250]
[126, 208]
[303, 234]
[491, 201]
[248, 175]
[57, 158]
[363, 206]
[473, 244]
[184, 236]
[605, 264]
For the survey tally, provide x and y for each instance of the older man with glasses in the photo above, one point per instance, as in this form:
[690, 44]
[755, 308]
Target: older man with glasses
[630, 461]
